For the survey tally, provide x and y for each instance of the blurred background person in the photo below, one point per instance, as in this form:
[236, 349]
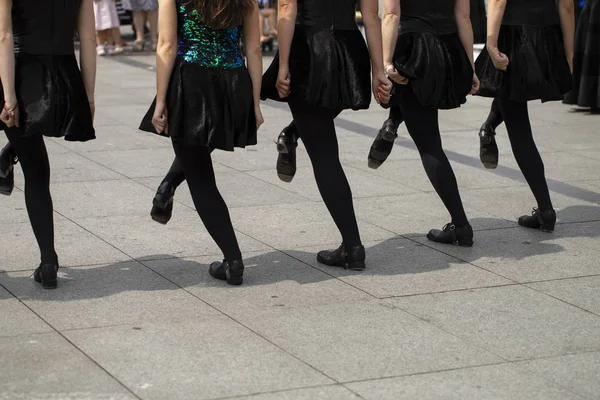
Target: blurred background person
[268, 13]
[144, 12]
[108, 32]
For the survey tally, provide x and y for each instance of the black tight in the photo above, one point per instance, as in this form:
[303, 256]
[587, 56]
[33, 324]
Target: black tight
[197, 165]
[494, 118]
[175, 176]
[317, 131]
[33, 158]
[516, 118]
[396, 115]
[423, 127]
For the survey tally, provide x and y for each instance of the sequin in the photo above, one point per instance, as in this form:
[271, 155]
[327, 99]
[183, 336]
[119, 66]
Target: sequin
[203, 45]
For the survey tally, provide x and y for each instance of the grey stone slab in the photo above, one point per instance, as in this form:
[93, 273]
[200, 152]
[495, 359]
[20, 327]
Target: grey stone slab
[15, 318]
[400, 267]
[526, 255]
[13, 208]
[364, 340]
[140, 163]
[74, 245]
[581, 292]
[103, 295]
[362, 183]
[565, 167]
[569, 138]
[416, 214]
[514, 322]
[126, 114]
[495, 382]
[580, 373]
[511, 203]
[205, 358]
[319, 393]
[271, 280]
[72, 167]
[141, 238]
[46, 366]
[119, 137]
[593, 153]
[583, 234]
[238, 190]
[285, 226]
[102, 198]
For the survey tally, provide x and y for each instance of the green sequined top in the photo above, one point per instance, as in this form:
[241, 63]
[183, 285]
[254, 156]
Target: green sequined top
[206, 46]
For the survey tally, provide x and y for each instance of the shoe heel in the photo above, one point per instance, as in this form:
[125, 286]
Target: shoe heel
[235, 280]
[465, 242]
[356, 266]
[389, 136]
[49, 279]
[548, 227]
[282, 147]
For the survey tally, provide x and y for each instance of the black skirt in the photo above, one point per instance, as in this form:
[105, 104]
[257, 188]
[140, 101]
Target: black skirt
[586, 63]
[211, 107]
[437, 67]
[51, 97]
[537, 70]
[328, 68]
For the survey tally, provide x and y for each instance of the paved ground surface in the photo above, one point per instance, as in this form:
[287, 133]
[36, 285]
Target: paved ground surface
[137, 315]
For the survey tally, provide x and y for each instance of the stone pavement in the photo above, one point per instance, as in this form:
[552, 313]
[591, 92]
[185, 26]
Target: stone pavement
[136, 314]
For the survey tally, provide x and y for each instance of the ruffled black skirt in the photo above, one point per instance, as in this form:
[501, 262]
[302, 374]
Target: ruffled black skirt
[586, 63]
[437, 66]
[210, 107]
[537, 69]
[52, 98]
[328, 68]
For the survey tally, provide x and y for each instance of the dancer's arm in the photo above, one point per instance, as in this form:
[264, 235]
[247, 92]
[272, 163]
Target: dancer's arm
[7, 67]
[370, 15]
[566, 10]
[391, 22]
[86, 28]
[254, 56]
[462, 12]
[495, 13]
[286, 24]
[166, 52]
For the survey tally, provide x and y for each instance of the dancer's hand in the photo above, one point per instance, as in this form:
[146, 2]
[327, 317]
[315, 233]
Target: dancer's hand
[382, 88]
[10, 115]
[391, 72]
[160, 119]
[259, 117]
[499, 59]
[474, 84]
[284, 82]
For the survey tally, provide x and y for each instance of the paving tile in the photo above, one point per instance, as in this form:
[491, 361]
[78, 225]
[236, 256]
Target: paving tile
[103, 295]
[13, 208]
[46, 366]
[581, 292]
[15, 318]
[401, 267]
[514, 322]
[141, 238]
[205, 358]
[497, 382]
[580, 373]
[416, 214]
[102, 198]
[117, 138]
[525, 255]
[286, 226]
[319, 393]
[74, 245]
[364, 340]
[271, 280]
[72, 167]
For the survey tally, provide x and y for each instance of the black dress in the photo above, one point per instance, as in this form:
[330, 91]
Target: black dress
[531, 37]
[209, 99]
[50, 91]
[586, 63]
[430, 54]
[329, 60]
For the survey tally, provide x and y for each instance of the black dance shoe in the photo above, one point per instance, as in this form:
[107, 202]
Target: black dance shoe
[542, 220]
[286, 147]
[162, 204]
[46, 275]
[383, 144]
[488, 149]
[352, 258]
[230, 271]
[452, 234]
[7, 184]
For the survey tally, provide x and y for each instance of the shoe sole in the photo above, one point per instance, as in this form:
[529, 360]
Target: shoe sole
[5, 192]
[468, 243]
[352, 266]
[51, 284]
[373, 163]
[284, 177]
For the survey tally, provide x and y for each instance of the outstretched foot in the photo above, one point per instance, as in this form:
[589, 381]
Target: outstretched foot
[383, 144]
[287, 142]
[488, 149]
[162, 204]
